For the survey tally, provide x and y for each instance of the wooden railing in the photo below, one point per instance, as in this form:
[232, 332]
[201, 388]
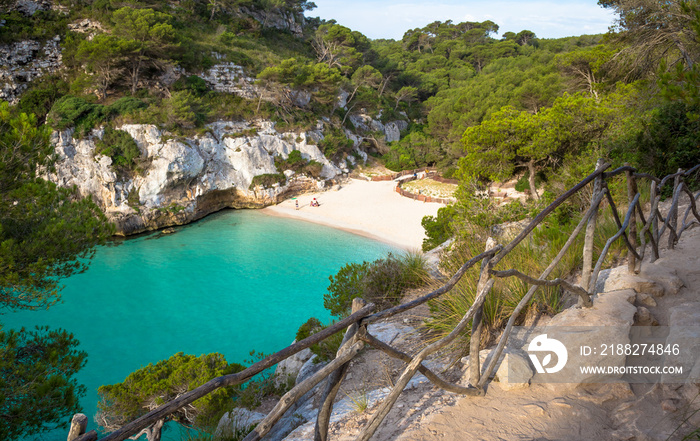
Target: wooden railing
[637, 241]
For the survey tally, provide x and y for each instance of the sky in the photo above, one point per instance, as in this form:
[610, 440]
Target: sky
[391, 18]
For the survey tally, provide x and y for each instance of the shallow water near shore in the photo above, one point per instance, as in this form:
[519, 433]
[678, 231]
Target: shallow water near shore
[233, 282]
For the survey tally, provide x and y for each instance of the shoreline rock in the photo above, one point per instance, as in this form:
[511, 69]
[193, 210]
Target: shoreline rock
[185, 179]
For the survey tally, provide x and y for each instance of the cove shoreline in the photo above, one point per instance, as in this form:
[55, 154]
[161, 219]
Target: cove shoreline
[370, 209]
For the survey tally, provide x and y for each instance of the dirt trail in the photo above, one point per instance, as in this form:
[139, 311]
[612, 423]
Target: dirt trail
[592, 412]
[595, 412]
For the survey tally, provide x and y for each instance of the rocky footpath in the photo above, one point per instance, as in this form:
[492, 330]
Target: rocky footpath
[184, 179]
[665, 293]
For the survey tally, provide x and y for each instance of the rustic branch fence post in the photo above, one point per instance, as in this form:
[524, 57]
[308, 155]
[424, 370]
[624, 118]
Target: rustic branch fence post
[654, 220]
[673, 214]
[631, 193]
[335, 379]
[356, 334]
[78, 426]
[483, 288]
[478, 324]
[590, 232]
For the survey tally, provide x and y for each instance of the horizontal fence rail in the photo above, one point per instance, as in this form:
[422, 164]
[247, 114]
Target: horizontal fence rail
[652, 227]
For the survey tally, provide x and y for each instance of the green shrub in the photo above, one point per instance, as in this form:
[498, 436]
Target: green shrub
[347, 284]
[313, 169]
[298, 164]
[42, 25]
[449, 173]
[670, 140]
[335, 143]
[308, 328]
[381, 282]
[125, 105]
[193, 84]
[183, 110]
[523, 183]
[163, 382]
[295, 158]
[326, 349]
[256, 390]
[71, 111]
[448, 310]
[120, 146]
[267, 180]
[438, 228]
[39, 99]
[181, 113]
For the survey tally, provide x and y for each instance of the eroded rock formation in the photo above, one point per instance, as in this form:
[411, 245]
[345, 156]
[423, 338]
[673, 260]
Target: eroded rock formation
[184, 179]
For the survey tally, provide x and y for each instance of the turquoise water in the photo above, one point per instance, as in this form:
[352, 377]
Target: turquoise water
[234, 282]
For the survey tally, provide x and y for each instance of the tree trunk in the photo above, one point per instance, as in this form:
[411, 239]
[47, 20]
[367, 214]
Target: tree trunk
[347, 113]
[151, 432]
[135, 71]
[531, 180]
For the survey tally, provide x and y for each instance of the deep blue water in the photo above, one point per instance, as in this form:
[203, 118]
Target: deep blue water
[233, 282]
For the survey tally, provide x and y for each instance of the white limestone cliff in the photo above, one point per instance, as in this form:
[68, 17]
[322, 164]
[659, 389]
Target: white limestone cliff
[184, 179]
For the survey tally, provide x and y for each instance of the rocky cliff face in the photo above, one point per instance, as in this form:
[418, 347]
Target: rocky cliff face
[25, 61]
[185, 179]
[289, 21]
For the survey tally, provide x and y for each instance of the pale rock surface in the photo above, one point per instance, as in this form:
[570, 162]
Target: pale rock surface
[348, 406]
[514, 372]
[186, 178]
[31, 7]
[511, 362]
[655, 280]
[645, 299]
[291, 366]
[433, 258]
[230, 78]
[644, 317]
[343, 99]
[391, 130]
[612, 314]
[78, 426]
[304, 409]
[237, 420]
[26, 61]
[390, 332]
[684, 331]
[291, 21]
[87, 26]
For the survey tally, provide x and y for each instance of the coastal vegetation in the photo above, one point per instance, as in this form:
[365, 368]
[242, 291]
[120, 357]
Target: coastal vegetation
[620, 100]
[156, 384]
[46, 234]
[477, 106]
[381, 282]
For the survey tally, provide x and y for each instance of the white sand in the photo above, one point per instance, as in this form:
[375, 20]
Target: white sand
[371, 209]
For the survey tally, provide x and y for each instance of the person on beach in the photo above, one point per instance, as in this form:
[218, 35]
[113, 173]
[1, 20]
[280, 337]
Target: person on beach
[297, 203]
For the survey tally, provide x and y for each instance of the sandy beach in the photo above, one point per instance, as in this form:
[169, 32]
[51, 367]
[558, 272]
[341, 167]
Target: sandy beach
[371, 209]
